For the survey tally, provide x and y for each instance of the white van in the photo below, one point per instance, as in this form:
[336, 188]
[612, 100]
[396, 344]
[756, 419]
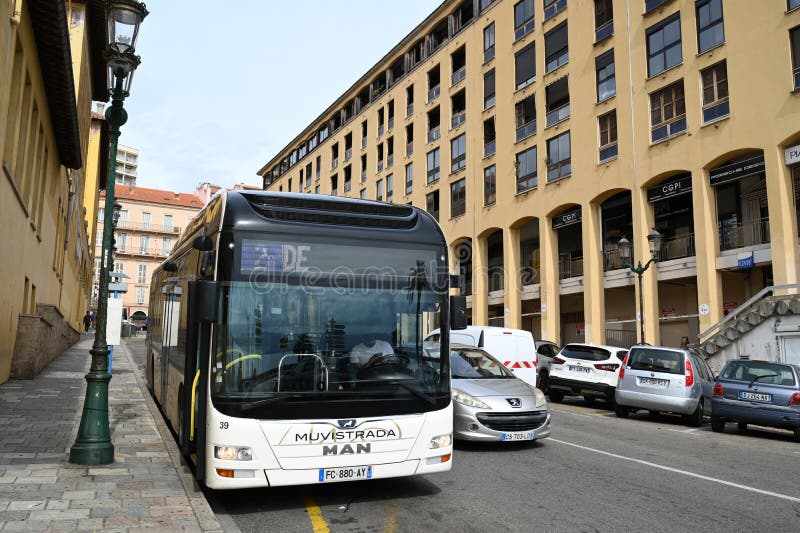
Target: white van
[514, 347]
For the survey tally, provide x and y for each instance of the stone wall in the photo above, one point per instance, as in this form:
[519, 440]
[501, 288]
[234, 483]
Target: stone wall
[40, 339]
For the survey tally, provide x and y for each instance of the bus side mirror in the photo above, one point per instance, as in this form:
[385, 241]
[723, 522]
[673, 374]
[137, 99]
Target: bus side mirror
[205, 305]
[458, 312]
[170, 266]
[202, 243]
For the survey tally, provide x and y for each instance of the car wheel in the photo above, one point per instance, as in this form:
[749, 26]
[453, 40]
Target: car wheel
[717, 424]
[742, 426]
[621, 411]
[556, 396]
[544, 382]
[696, 419]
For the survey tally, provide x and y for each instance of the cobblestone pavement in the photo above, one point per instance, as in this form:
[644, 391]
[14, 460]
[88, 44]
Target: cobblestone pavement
[145, 487]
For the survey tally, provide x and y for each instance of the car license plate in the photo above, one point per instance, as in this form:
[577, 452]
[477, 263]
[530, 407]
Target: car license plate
[526, 435]
[345, 473]
[655, 381]
[579, 369]
[758, 396]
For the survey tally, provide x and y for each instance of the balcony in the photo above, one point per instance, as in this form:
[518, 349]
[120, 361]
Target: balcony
[526, 130]
[458, 76]
[677, 247]
[458, 119]
[558, 114]
[152, 251]
[409, 148]
[743, 234]
[148, 227]
[433, 94]
[488, 54]
[603, 31]
[570, 266]
[348, 154]
[434, 134]
[334, 163]
[489, 148]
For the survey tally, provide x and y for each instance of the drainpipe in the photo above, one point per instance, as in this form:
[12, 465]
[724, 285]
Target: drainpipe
[16, 14]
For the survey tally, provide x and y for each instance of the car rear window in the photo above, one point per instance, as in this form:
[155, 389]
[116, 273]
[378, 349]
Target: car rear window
[587, 353]
[773, 373]
[656, 360]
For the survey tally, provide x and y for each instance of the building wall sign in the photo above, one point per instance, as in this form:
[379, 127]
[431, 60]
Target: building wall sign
[738, 170]
[567, 218]
[675, 186]
[792, 155]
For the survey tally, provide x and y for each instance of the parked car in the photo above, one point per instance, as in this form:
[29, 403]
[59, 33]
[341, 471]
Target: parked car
[757, 392]
[545, 352]
[490, 403]
[514, 347]
[588, 370]
[663, 379]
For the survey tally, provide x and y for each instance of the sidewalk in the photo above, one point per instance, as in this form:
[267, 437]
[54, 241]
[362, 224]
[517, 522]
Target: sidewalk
[146, 486]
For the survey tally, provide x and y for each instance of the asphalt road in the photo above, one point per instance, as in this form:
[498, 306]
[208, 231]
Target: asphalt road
[596, 473]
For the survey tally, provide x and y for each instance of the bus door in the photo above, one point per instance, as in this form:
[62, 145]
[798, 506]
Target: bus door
[170, 328]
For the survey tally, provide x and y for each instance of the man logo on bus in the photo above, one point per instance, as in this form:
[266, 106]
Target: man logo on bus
[347, 424]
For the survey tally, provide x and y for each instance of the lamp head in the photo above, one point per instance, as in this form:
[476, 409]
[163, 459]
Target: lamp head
[625, 250]
[654, 239]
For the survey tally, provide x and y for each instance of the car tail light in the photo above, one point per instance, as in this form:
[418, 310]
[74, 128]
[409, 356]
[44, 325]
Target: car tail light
[606, 366]
[689, 374]
[624, 364]
[718, 390]
[557, 361]
[795, 399]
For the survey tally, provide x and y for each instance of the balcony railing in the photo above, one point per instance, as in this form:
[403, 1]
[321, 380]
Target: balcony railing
[380, 130]
[334, 163]
[154, 228]
[569, 266]
[348, 154]
[390, 124]
[409, 110]
[489, 148]
[433, 94]
[152, 251]
[380, 165]
[603, 31]
[624, 338]
[558, 114]
[743, 234]
[458, 119]
[458, 75]
[409, 148]
[677, 247]
[526, 130]
[612, 259]
[434, 134]
[389, 160]
[363, 142]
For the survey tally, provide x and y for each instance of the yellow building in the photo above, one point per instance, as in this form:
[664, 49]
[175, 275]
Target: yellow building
[51, 68]
[542, 132]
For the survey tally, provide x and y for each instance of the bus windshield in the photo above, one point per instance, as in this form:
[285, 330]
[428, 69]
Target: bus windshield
[332, 331]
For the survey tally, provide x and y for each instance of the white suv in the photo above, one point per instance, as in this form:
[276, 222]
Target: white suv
[588, 370]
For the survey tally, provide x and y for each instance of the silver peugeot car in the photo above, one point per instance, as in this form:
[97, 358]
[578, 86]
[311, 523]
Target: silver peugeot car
[490, 403]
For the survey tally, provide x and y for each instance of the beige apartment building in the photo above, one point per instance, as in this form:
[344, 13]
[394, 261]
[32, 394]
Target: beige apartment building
[51, 68]
[150, 222]
[541, 132]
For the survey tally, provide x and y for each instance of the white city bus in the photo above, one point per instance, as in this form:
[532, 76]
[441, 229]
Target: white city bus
[285, 341]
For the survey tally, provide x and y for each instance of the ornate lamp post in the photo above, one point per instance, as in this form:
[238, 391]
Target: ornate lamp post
[654, 239]
[93, 445]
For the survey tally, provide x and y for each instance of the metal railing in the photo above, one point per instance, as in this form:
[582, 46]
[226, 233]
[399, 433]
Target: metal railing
[743, 234]
[558, 114]
[139, 226]
[569, 266]
[154, 251]
[677, 247]
[624, 338]
[458, 75]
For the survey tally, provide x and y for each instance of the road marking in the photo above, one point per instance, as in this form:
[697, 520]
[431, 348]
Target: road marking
[391, 519]
[315, 515]
[690, 430]
[679, 471]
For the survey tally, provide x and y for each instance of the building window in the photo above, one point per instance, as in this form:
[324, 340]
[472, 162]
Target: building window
[715, 92]
[553, 7]
[523, 19]
[363, 194]
[664, 45]
[308, 175]
[710, 28]
[316, 189]
[489, 137]
[379, 191]
[667, 112]
[101, 213]
[335, 185]
[488, 42]
[409, 178]
[488, 89]
[142, 274]
[146, 217]
[792, 4]
[434, 122]
[433, 84]
[144, 244]
[458, 198]
[556, 48]
[119, 266]
[794, 38]
[603, 19]
[432, 204]
[409, 139]
[348, 179]
[166, 245]
[489, 185]
[363, 168]
[559, 157]
[319, 167]
[409, 100]
[525, 66]
[557, 101]
[140, 292]
[433, 166]
[650, 5]
[458, 153]
[122, 241]
[390, 188]
[608, 135]
[458, 107]
[364, 132]
[606, 78]
[527, 175]
[525, 115]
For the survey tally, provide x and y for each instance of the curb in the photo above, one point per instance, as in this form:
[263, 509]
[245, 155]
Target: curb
[202, 509]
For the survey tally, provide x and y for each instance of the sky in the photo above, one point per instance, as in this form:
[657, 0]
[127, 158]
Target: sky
[224, 86]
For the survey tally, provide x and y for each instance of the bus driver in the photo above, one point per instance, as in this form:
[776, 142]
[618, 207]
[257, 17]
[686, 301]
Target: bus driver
[369, 350]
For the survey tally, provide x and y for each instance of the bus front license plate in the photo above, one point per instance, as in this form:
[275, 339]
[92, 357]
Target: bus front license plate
[349, 473]
[527, 435]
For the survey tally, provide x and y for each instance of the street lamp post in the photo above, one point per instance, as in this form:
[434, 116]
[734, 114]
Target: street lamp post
[93, 444]
[654, 239]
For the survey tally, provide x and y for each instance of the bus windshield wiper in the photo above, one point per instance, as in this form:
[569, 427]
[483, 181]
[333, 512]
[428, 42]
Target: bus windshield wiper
[249, 406]
[759, 377]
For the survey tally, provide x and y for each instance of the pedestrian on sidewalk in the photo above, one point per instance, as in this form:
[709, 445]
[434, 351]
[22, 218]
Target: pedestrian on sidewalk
[87, 321]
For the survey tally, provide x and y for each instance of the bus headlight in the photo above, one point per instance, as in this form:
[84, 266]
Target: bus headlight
[233, 453]
[442, 441]
[466, 399]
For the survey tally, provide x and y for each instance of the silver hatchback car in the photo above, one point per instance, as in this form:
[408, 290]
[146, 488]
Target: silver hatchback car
[663, 379]
[490, 403]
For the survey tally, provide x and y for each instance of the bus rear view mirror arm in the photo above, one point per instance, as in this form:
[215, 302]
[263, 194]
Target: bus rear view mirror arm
[206, 295]
[458, 312]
